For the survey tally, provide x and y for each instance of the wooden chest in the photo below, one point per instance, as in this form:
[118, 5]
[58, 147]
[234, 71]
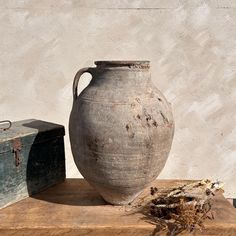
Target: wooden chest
[32, 158]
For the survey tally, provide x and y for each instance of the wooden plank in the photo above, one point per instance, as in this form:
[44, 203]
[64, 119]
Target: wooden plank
[75, 208]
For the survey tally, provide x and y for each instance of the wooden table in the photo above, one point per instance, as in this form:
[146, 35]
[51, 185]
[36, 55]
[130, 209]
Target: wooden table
[74, 208]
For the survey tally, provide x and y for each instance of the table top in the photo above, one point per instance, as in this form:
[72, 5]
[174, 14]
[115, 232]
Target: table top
[75, 208]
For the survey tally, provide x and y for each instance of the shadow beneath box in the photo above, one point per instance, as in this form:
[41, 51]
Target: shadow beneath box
[45, 168]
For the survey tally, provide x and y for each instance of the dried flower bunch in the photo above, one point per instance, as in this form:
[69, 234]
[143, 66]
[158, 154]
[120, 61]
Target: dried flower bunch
[185, 207]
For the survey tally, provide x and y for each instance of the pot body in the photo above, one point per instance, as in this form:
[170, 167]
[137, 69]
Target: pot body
[121, 129]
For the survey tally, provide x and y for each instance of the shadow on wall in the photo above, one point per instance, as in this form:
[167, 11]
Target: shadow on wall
[46, 168]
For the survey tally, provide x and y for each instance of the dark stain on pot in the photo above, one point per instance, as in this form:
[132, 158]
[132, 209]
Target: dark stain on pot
[129, 130]
[154, 123]
[159, 99]
[93, 147]
[148, 117]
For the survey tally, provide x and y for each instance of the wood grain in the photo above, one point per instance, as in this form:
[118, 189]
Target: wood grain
[74, 208]
[32, 158]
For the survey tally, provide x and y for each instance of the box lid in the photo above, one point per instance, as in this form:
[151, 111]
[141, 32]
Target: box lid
[29, 132]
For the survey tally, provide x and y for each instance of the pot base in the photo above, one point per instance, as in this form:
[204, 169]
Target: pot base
[117, 196]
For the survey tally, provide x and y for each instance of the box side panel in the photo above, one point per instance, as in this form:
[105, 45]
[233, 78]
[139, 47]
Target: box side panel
[46, 165]
[41, 166]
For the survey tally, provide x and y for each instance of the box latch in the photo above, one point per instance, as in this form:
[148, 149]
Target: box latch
[16, 148]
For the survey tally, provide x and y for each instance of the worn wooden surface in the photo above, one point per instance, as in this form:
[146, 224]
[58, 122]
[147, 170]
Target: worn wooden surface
[74, 208]
[35, 163]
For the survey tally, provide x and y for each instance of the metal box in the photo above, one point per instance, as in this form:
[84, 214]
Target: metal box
[32, 158]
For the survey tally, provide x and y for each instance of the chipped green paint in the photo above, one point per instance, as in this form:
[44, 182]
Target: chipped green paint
[40, 162]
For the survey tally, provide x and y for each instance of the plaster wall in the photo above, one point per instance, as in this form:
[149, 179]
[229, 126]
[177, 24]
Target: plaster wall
[192, 48]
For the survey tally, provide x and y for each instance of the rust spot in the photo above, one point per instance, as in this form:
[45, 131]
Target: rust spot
[17, 146]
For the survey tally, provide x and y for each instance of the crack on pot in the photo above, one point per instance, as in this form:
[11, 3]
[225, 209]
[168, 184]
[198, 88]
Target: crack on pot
[166, 121]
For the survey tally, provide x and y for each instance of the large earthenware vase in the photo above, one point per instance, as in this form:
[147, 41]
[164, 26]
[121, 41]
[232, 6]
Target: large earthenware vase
[121, 129]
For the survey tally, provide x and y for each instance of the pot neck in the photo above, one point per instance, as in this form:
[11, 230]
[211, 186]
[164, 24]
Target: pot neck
[123, 71]
[124, 75]
[140, 65]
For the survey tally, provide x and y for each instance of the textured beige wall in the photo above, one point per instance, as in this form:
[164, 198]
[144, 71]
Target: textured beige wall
[192, 47]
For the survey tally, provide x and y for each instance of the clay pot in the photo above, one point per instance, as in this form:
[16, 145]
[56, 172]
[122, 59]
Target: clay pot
[121, 129]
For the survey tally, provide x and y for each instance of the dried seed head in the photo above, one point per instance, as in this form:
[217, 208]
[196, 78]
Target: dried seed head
[153, 190]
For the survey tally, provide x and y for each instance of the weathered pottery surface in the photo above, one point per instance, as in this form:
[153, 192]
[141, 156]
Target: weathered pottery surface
[121, 129]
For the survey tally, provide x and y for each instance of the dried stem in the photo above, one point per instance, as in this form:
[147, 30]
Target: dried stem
[185, 207]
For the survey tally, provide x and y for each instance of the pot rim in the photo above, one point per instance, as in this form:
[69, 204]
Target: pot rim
[120, 63]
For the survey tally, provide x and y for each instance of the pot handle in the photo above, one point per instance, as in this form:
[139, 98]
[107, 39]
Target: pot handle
[77, 78]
